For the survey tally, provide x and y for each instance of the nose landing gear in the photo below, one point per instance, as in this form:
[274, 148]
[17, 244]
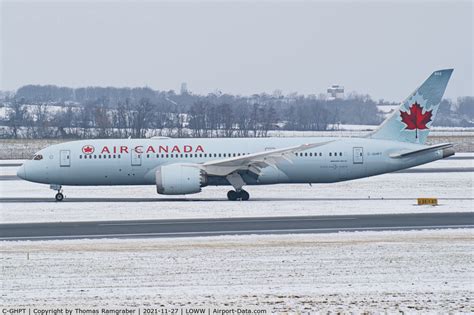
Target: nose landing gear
[59, 196]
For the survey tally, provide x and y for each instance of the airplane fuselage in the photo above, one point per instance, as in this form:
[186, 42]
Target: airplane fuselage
[134, 161]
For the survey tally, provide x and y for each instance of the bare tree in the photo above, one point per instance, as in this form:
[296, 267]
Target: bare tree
[142, 115]
[41, 121]
[225, 119]
[17, 117]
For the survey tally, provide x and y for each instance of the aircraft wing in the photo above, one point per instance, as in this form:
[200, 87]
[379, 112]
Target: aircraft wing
[255, 162]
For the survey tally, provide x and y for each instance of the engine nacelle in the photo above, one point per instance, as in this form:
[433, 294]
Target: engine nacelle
[179, 179]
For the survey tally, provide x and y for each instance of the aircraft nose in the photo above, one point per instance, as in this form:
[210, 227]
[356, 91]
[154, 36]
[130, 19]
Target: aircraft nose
[21, 172]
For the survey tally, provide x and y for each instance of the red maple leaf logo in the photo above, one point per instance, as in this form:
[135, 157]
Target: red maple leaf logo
[416, 119]
[88, 149]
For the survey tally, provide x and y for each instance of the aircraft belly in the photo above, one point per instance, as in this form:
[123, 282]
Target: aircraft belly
[308, 172]
[86, 175]
[272, 175]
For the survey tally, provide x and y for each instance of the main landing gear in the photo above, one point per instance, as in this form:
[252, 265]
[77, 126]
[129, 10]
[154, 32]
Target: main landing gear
[59, 196]
[237, 182]
[238, 195]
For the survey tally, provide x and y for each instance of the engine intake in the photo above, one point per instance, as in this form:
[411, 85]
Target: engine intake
[179, 179]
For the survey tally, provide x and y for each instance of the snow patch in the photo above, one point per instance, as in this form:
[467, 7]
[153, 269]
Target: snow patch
[429, 271]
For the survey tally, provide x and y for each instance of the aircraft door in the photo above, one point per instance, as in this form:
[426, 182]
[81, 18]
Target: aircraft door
[136, 158]
[358, 155]
[64, 158]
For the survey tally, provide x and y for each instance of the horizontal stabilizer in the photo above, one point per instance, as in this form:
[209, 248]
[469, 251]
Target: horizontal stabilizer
[431, 148]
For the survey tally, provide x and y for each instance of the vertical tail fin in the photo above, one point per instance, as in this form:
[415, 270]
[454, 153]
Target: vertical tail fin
[411, 122]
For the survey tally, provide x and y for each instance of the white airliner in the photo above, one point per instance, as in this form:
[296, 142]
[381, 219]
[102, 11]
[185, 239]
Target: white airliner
[185, 166]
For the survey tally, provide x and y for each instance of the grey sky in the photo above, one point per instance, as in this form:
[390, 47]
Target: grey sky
[384, 49]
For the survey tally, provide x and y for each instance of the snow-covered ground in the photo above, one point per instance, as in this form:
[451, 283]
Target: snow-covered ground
[362, 130]
[427, 271]
[389, 193]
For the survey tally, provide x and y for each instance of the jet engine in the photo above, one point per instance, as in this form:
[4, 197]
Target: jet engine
[179, 179]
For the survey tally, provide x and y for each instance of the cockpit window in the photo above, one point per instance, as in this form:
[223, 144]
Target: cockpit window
[37, 157]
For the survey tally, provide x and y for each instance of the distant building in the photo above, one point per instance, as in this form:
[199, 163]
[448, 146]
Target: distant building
[335, 91]
[184, 88]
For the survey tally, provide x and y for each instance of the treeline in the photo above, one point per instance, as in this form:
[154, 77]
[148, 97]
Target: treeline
[456, 114]
[60, 112]
[142, 118]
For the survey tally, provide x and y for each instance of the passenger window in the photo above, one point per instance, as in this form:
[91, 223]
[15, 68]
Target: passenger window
[320, 154]
[340, 153]
[330, 154]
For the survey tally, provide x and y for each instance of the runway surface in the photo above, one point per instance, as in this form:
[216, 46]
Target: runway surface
[234, 226]
[197, 199]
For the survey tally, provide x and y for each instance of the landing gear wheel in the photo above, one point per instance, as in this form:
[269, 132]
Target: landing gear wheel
[244, 195]
[232, 195]
[59, 196]
[238, 195]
